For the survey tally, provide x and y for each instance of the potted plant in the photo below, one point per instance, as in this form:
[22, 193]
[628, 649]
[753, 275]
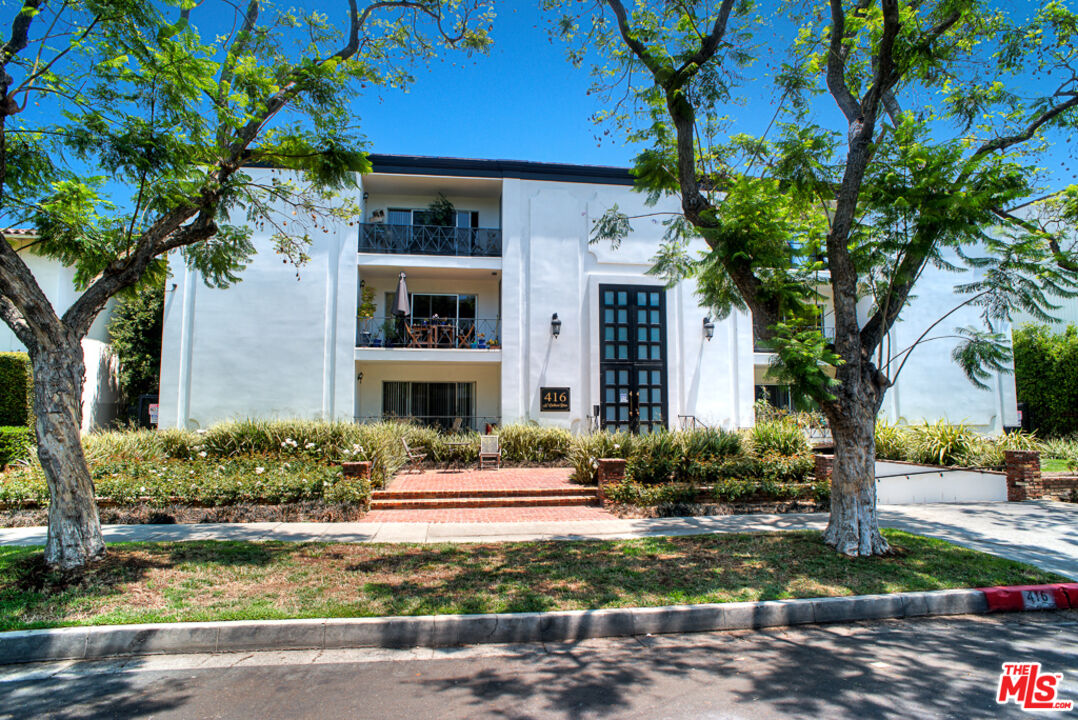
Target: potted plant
[441, 212]
[390, 331]
[482, 341]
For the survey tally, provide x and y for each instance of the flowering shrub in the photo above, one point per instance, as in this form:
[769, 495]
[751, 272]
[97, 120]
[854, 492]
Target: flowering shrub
[200, 482]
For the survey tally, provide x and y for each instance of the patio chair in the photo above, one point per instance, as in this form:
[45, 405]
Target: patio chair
[418, 335]
[490, 451]
[414, 457]
[465, 335]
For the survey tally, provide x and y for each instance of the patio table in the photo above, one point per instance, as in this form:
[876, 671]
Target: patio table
[456, 465]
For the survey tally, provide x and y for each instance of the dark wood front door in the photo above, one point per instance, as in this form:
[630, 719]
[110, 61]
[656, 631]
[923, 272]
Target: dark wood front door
[632, 352]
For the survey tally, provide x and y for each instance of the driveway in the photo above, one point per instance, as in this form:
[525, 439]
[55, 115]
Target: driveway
[1043, 533]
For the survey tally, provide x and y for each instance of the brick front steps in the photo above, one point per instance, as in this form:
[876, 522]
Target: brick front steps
[445, 499]
[511, 494]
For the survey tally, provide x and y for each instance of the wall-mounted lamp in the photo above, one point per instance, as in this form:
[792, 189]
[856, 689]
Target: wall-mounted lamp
[359, 377]
[709, 329]
[555, 326]
[366, 195]
[363, 283]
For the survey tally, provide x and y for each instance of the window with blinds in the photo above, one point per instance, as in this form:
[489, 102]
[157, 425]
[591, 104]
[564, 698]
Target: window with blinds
[432, 403]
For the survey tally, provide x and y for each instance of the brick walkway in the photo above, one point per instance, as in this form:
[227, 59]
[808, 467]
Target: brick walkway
[543, 481]
[471, 479]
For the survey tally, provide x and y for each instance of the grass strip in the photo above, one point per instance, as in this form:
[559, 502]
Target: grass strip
[216, 580]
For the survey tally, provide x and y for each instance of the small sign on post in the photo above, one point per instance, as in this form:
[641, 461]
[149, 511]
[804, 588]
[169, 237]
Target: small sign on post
[153, 413]
[554, 399]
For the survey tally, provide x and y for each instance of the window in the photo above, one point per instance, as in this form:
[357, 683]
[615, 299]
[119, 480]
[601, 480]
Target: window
[431, 403]
[775, 395]
[444, 305]
[407, 216]
[784, 398]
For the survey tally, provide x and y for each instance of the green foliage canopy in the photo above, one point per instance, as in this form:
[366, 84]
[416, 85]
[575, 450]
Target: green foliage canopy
[950, 110]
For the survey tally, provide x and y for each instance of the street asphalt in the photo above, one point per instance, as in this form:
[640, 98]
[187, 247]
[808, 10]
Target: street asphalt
[1042, 533]
[927, 668]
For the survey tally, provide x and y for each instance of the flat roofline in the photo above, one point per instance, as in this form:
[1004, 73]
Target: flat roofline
[522, 169]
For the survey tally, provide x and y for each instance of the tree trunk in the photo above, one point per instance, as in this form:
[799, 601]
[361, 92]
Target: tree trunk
[854, 528]
[74, 537]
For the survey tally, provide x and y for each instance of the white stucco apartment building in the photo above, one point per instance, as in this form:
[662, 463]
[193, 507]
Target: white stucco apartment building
[100, 395]
[513, 316]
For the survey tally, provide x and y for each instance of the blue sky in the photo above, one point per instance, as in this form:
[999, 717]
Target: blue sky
[525, 101]
[522, 101]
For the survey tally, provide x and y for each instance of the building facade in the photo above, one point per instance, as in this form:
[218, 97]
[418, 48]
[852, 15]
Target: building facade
[100, 394]
[510, 315]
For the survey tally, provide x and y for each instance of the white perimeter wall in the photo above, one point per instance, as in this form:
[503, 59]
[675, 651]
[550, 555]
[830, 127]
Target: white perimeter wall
[270, 346]
[548, 266]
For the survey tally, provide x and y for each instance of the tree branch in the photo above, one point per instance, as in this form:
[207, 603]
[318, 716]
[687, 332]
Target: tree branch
[1002, 143]
[20, 31]
[1061, 258]
[836, 64]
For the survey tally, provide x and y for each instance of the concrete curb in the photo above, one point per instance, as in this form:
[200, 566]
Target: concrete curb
[78, 643]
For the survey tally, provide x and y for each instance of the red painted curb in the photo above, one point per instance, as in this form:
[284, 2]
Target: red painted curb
[1015, 598]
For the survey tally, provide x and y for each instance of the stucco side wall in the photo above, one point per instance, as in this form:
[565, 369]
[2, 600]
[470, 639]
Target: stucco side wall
[273, 345]
[100, 395]
[932, 386]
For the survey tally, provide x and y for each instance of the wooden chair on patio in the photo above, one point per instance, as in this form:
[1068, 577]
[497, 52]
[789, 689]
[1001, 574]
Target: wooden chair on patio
[414, 457]
[418, 335]
[490, 451]
[465, 336]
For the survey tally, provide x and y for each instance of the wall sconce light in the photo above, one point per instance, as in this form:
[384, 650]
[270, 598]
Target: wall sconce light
[709, 329]
[363, 283]
[366, 195]
[555, 326]
[359, 377]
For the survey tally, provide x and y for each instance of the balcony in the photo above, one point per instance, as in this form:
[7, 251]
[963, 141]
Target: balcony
[431, 333]
[429, 240]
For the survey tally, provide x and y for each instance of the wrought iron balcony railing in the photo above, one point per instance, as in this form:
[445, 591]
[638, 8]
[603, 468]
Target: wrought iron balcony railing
[430, 332]
[429, 240]
[447, 423]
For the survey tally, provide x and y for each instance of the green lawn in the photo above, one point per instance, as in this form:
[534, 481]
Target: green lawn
[178, 581]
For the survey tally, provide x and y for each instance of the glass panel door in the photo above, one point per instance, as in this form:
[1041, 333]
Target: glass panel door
[632, 357]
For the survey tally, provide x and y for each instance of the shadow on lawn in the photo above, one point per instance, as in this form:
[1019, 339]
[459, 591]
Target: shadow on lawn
[366, 579]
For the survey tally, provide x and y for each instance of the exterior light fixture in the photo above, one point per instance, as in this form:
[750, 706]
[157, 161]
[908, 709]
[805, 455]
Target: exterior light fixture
[555, 326]
[709, 329]
[359, 377]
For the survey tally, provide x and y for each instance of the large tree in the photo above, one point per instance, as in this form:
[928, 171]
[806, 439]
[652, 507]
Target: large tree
[124, 133]
[944, 109]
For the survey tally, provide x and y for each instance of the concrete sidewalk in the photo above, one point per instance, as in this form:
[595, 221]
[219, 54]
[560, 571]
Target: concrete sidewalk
[1043, 533]
[431, 532]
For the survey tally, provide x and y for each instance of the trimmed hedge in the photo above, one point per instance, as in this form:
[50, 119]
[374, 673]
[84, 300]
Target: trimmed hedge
[16, 390]
[15, 444]
[1046, 377]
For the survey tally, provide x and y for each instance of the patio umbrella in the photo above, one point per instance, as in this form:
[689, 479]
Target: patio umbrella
[401, 306]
